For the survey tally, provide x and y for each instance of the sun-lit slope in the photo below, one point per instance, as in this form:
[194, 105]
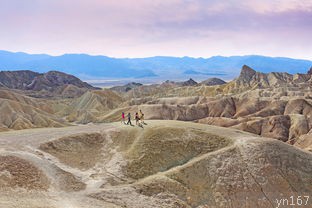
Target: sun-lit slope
[252, 174]
[166, 164]
[80, 151]
[32, 178]
[207, 166]
[91, 105]
[305, 142]
[22, 112]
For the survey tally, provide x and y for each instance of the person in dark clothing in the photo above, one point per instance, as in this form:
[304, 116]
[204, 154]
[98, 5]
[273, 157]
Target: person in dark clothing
[137, 119]
[129, 119]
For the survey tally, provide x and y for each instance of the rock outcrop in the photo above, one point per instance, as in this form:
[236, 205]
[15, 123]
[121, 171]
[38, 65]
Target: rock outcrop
[310, 71]
[189, 82]
[17, 79]
[250, 79]
[213, 81]
[53, 79]
[247, 74]
[49, 84]
[305, 142]
[127, 87]
[286, 119]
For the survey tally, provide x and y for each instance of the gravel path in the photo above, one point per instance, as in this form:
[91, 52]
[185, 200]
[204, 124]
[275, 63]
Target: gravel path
[13, 140]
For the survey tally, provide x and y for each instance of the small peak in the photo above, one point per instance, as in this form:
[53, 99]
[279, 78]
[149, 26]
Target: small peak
[248, 69]
[247, 72]
[190, 82]
[134, 83]
[54, 72]
[213, 81]
[310, 71]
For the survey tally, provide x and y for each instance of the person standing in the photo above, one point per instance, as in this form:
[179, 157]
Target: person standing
[142, 119]
[129, 119]
[140, 113]
[137, 119]
[141, 116]
[123, 118]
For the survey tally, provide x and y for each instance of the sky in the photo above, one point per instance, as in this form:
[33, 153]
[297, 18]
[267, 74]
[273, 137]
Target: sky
[144, 28]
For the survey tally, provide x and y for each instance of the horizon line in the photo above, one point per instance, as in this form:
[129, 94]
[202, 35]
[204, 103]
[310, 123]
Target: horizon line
[155, 56]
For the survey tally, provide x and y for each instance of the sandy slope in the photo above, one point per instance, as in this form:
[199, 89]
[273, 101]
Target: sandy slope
[64, 182]
[166, 164]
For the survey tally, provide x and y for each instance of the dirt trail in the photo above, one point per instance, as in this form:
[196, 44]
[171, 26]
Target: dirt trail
[24, 144]
[33, 137]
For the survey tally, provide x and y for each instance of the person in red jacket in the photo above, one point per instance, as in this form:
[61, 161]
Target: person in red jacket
[123, 118]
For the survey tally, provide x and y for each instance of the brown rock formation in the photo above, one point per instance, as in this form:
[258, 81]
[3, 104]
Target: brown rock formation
[50, 84]
[213, 81]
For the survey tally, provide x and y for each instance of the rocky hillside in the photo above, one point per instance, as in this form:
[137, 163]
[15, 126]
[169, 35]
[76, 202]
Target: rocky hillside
[127, 87]
[286, 120]
[275, 105]
[54, 79]
[168, 164]
[189, 82]
[250, 79]
[91, 106]
[47, 84]
[21, 112]
[305, 142]
[17, 79]
[213, 81]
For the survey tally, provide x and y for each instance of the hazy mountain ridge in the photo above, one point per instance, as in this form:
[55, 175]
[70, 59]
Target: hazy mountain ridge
[86, 66]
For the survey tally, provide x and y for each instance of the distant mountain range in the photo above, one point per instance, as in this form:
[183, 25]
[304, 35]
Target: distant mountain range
[97, 67]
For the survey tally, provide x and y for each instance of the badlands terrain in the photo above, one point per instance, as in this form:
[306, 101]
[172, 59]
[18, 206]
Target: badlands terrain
[168, 164]
[244, 143]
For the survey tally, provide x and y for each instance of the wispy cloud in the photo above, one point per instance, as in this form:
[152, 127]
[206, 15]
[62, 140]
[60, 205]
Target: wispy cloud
[146, 28]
